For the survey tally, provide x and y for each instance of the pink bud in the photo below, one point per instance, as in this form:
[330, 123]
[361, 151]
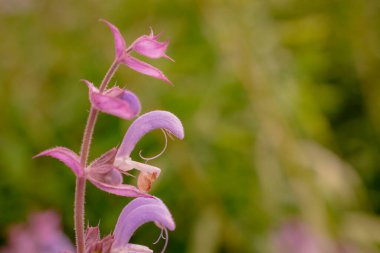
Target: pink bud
[115, 101]
[149, 46]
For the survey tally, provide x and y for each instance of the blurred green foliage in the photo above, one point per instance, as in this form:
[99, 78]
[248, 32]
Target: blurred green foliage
[279, 100]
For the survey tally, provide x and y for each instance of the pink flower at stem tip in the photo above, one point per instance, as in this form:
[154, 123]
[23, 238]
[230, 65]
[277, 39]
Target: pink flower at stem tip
[146, 45]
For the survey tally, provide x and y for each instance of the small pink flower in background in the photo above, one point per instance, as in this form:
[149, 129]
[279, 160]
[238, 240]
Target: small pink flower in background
[41, 234]
[146, 45]
[295, 237]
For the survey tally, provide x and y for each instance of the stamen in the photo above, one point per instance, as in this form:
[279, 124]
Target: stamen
[159, 154]
[126, 173]
[166, 240]
[170, 134]
[159, 237]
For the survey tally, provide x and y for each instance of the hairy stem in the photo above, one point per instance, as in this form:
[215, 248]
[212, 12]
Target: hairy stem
[85, 149]
[79, 213]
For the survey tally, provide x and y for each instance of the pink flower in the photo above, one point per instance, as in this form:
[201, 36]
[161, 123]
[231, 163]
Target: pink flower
[41, 234]
[295, 237]
[141, 126]
[146, 45]
[138, 212]
[106, 171]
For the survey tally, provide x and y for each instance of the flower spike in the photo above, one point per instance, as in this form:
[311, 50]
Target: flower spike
[115, 101]
[106, 172]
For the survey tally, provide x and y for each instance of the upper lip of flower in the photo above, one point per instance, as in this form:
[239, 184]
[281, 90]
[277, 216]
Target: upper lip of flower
[138, 212]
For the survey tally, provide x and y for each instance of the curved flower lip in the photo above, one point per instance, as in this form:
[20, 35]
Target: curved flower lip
[115, 101]
[104, 176]
[144, 124]
[138, 212]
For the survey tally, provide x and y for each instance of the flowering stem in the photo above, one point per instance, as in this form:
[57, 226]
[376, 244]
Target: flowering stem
[85, 149]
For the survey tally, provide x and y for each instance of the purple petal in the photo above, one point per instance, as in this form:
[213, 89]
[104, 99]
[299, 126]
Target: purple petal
[130, 207]
[121, 189]
[149, 46]
[146, 123]
[65, 155]
[120, 47]
[144, 68]
[115, 101]
[129, 98]
[137, 213]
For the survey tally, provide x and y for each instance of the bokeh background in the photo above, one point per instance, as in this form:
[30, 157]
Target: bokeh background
[280, 100]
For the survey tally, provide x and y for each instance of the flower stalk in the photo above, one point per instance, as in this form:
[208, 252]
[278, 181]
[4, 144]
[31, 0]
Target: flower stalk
[106, 172]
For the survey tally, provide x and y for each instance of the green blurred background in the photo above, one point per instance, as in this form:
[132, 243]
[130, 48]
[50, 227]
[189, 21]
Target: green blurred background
[279, 99]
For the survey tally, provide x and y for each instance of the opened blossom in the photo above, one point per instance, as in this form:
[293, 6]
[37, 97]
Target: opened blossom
[146, 45]
[138, 212]
[141, 126]
[106, 171]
